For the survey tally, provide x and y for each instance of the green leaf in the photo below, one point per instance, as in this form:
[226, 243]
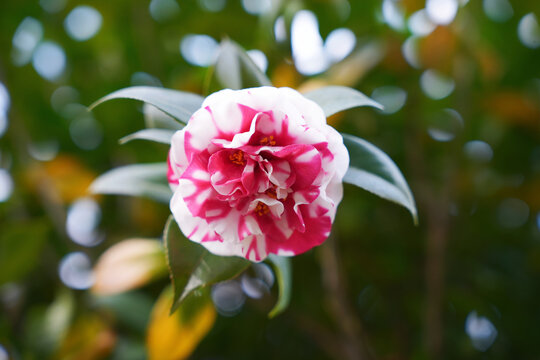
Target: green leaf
[192, 267]
[178, 104]
[333, 99]
[162, 136]
[235, 69]
[371, 169]
[282, 268]
[45, 328]
[157, 119]
[148, 180]
[213, 269]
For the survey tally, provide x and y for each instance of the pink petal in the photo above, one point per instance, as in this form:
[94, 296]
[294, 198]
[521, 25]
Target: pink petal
[257, 171]
[226, 172]
[318, 224]
[172, 176]
[305, 162]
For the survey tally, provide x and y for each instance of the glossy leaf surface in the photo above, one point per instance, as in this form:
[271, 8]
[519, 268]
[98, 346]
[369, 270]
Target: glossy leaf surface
[178, 104]
[373, 170]
[148, 180]
[192, 267]
[333, 99]
[282, 268]
[162, 136]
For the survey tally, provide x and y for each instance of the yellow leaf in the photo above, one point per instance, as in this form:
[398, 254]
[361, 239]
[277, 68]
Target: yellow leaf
[174, 337]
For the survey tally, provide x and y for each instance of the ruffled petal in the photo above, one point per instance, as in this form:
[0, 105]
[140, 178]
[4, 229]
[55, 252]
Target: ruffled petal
[257, 171]
[198, 230]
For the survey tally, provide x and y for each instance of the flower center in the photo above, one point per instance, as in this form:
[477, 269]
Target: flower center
[272, 193]
[237, 158]
[268, 140]
[261, 209]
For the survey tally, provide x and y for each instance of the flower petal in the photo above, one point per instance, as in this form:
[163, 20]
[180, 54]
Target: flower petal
[260, 170]
[198, 230]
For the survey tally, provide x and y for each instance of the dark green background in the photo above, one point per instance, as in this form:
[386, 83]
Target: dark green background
[408, 287]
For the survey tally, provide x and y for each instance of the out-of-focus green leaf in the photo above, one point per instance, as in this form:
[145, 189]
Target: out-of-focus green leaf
[58, 317]
[333, 99]
[131, 308]
[162, 136]
[46, 327]
[129, 348]
[20, 247]
[371, 169]
[174, 337]
[227, 68]
[178, 104]
[148, 180]
[201, 267]
[282, 267]
[235, 69]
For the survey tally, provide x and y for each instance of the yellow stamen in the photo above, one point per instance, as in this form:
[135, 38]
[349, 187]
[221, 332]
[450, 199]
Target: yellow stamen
[272, 193]
[237, 158]
[261, 209]
[268, 140]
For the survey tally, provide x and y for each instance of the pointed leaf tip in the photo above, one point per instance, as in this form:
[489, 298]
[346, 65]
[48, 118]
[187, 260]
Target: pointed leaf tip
[282, 268]
[178, 104]
[192, 267]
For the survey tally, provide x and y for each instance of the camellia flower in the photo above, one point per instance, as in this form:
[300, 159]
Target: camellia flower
[256, 172]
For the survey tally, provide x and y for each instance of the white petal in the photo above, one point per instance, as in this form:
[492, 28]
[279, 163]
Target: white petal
[198, 230]
[178, 158]
[254, 248]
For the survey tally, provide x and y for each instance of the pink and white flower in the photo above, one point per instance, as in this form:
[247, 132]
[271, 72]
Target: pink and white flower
[257, 172]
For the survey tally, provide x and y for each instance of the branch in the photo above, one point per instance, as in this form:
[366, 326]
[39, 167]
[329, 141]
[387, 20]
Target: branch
[351, 333]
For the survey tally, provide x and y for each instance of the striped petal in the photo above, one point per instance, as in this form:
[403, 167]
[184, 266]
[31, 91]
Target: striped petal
[257, 172]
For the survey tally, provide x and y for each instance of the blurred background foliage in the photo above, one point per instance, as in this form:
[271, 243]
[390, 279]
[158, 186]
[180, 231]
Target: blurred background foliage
[460, 81]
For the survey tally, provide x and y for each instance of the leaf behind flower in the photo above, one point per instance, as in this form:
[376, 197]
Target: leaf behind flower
[333, 99]
[373, 170]
[148, 180]
[157, 119]
[178, 104]
[235, 69]
[162, 136]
